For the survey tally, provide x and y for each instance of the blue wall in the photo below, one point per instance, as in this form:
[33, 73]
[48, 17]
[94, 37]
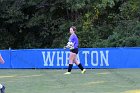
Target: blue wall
[58, 58]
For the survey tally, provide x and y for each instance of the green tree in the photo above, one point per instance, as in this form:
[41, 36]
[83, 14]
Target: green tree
[45, 23]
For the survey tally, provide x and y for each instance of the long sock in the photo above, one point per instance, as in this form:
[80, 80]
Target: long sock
[80, 66]
[70, 67]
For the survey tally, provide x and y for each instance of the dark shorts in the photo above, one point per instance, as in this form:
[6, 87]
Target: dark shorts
[74, 50]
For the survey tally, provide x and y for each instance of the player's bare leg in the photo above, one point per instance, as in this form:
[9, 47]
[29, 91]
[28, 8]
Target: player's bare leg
[71, 58]
[79, 65]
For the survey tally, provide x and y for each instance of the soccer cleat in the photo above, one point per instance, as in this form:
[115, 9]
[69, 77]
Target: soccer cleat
[83, 71]
[67, 73]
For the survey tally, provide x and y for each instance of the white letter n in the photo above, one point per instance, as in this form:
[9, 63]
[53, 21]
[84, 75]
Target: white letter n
[104, 58]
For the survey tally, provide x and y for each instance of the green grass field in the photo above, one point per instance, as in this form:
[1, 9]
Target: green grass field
[54, 81]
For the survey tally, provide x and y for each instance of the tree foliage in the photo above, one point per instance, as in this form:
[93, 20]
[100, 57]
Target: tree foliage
[45, 23]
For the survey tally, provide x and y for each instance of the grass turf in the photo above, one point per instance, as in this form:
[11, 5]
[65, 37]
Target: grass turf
[54, 81]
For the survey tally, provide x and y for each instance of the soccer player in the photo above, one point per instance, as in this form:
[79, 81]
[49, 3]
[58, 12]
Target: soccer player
[2, 88]
[1, 60]
[73, 45]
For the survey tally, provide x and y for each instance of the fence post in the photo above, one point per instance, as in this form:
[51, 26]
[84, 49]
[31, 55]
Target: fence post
[11, 65]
